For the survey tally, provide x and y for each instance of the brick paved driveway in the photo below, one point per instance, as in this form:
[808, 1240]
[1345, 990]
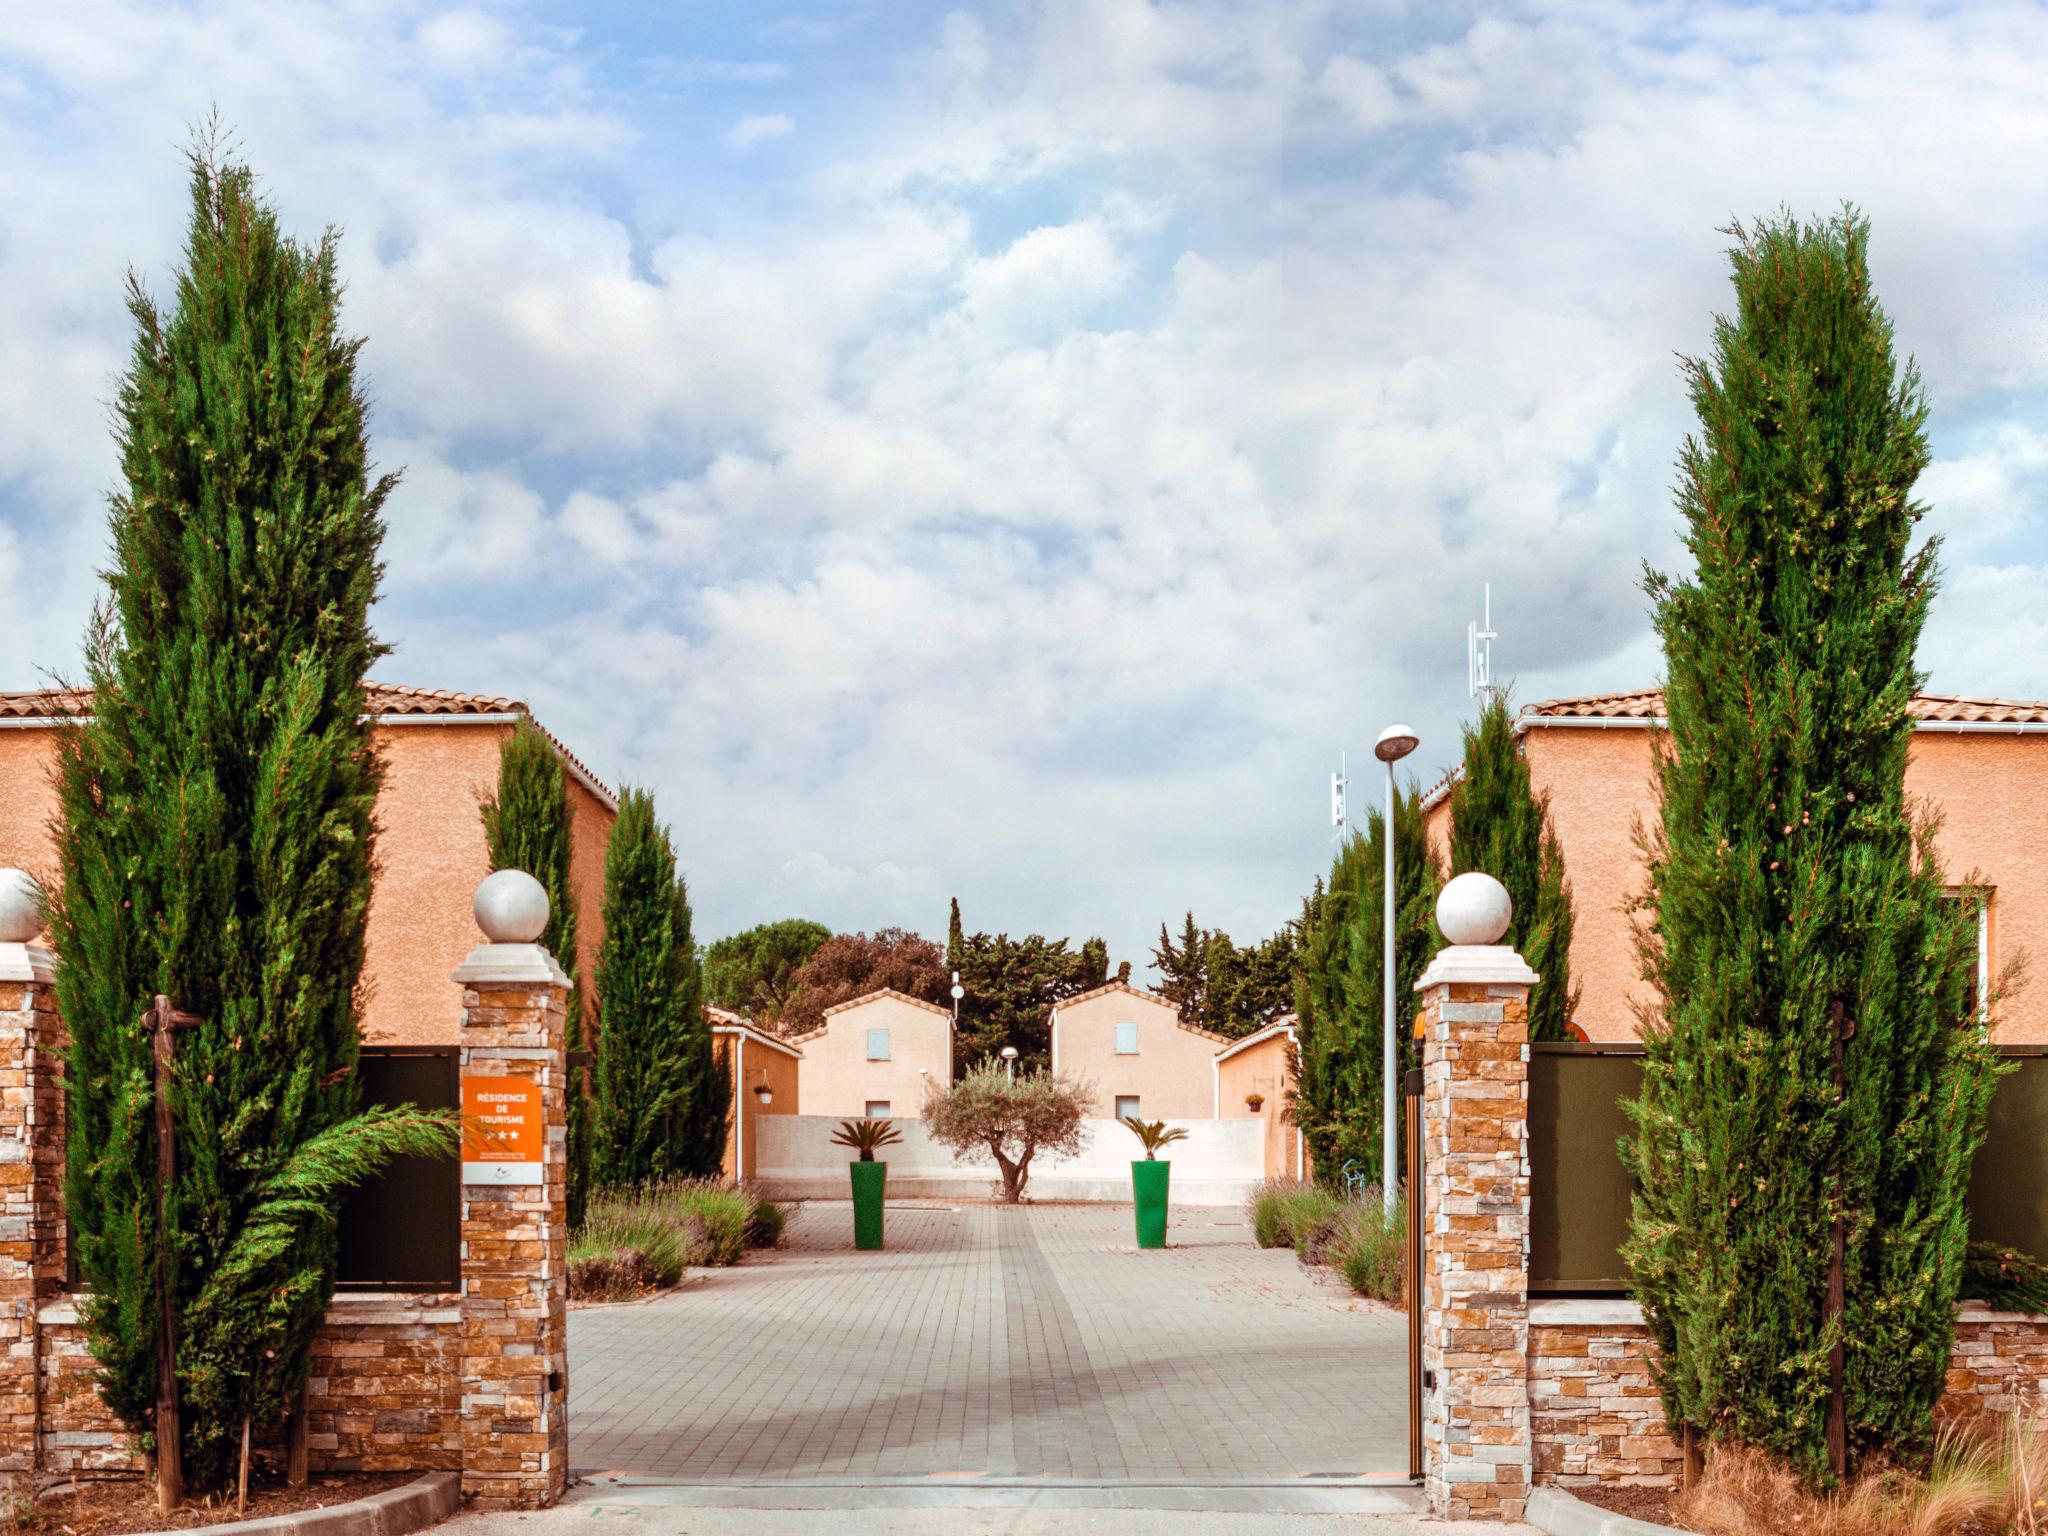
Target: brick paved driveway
[1033, 1342]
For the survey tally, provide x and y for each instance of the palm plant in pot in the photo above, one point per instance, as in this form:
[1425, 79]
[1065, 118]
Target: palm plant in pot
[870, 1178]
[1149, 1176]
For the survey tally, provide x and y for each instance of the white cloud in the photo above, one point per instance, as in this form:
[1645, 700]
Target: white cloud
[1030, 493]
[758, 128]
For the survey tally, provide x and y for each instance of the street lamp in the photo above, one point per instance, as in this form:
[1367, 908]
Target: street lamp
[1395, 743]
[1010, 1061]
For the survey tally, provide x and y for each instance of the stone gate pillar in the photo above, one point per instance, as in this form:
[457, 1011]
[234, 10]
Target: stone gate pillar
[514, 1353]
[1475, 1118]
[31, 1165]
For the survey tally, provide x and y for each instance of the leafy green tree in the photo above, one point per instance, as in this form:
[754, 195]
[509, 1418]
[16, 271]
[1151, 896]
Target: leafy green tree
[1501, 826]
[1183, 968]
[1012, 987]
[1813, 1059]
[1227, 988]
[1340, 1049]
[657, 1109]
[851, 965]
[215, 840]
[526, 826]
[754, 972]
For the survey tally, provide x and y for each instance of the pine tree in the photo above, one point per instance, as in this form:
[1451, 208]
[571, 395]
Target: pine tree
[526, 826]
[1183, 969]
[1795, 909]
[1500, 826]
[1093, 969]
[754, 972]
[644, 1086]
[215, 844]
[1340, 1047]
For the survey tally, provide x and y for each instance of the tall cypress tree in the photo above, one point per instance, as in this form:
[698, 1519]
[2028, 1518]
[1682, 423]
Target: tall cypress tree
[658, 1108]
[698, 1124]
[216, 836]
[1338, 1002]
[1500, 826]
[1796, 910]
[526, 826]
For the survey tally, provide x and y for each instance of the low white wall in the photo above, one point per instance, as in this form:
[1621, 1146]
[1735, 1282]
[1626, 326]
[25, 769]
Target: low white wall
[1217, 1165]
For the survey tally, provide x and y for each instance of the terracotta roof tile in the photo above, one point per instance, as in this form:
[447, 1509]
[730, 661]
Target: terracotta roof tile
[1648, 704]
[869, 997]
[384, 699]
[1112, 986]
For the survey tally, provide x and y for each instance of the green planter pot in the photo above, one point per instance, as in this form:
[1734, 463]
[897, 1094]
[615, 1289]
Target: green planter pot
[1148, 1190]
[869, 1179]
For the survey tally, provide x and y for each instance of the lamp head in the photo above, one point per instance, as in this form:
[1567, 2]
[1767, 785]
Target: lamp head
[1395, 743]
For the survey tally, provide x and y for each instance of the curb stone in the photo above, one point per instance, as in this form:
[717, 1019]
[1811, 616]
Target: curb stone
[396, 1511]
[1553, 1510]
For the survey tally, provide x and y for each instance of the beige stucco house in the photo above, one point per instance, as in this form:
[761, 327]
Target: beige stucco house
[1980, 764]
[1253, 1079]
[880, 1056]
[1132, 1049]
[765, 1073]
[440, 754]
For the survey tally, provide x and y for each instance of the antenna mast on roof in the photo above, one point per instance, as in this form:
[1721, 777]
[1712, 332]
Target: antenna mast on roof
[1479, 640]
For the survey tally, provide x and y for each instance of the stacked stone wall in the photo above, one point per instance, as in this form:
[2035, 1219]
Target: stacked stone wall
[1595, 1417]
[385, 1394]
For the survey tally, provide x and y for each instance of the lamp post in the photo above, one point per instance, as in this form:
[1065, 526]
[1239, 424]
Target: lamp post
[1394, 743]
[1010, 1062]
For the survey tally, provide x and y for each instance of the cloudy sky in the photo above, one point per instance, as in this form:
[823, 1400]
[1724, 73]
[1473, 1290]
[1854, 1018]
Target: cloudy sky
[1012, 450]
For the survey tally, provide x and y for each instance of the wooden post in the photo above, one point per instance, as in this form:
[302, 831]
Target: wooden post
[170, 1471]
[296, 1425]
[1837, 1300]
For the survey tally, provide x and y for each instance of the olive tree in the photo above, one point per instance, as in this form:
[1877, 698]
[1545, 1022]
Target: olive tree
[1011, 1121]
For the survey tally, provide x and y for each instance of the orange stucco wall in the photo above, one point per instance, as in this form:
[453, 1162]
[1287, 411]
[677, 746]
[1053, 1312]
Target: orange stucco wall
[430, 856]
[1990, 791]
[28, 801]
[1173, 1073]
[1263, 1069]
[749, 1066]
[838, 1079]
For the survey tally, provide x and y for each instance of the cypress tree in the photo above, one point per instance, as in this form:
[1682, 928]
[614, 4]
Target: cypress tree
[658, 1110]
[956, 939]
[526, 826]
[1339, 1049]
[215, 843]
[1498, 825]
[1795, 907]
[697, 1136]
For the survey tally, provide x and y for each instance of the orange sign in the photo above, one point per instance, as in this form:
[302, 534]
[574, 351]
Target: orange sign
[501, 1128]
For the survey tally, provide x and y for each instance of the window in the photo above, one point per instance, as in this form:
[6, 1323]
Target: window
[1976, 997]
[878, 1045]
[878, 1109]
[1127, 1106]
[1127, 1039]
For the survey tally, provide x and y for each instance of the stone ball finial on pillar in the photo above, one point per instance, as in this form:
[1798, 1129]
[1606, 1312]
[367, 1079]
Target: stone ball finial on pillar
[511, 907]
[21, 906]
[1474, 908]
